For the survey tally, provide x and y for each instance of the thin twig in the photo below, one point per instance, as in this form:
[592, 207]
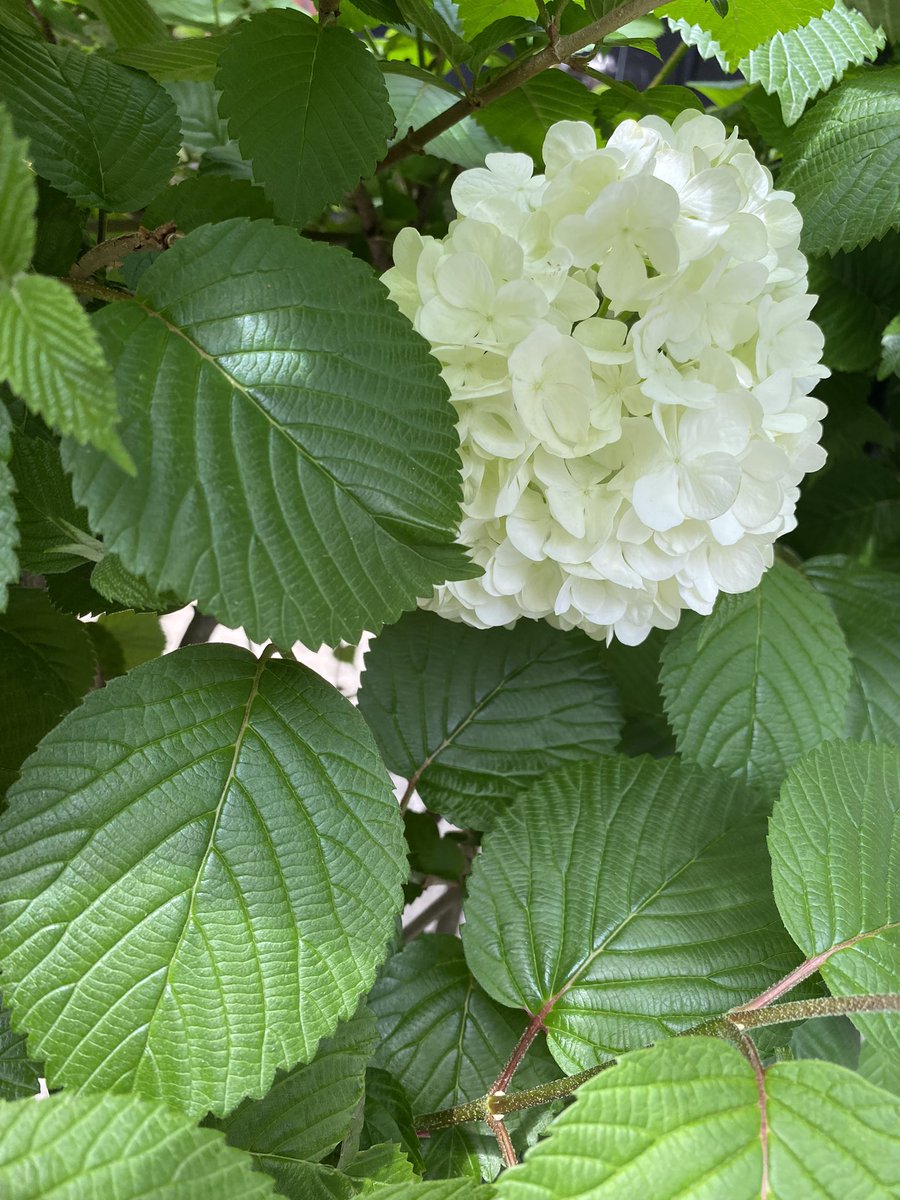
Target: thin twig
[371, 227]
[435, 909]
[97, 291]
[44, 25]
[113, 253]
[759, 1075]
[519, 73]
[497, 1126]
[669, 65]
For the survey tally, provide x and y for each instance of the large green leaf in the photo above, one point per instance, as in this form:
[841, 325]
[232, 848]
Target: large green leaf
[848, 317]
[764, 679]
[308, 1109]
[52, 359]
[446, 1042]
[102, 134]
[53, 530]
[746, 25]
[261, 492]
[388, 1115]
[625, 900]
[852, 510]
[834, 1039]
[131, 22]
[9, 534]
[18, 199]
[46, 666]
[117, 1148]
[426, 16]
[206, 896]
[308, 106]
[476, 15]
[883, 14]
[844, 163]
[60, 231]
[207, 199]
[190, 59]
[473, 716]
[686, 1119]
[835, 845]
[415, 100]
[19, 1076]
[801, 63]
[867, 605]
[521, 118]
[635, 670]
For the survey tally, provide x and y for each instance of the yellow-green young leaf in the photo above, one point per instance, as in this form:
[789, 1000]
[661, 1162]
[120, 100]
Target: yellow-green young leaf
[46, 665]
[625, 900]
[9, 533]
[308, 107]
[474, 716]
[416, 99]
[446, 1041]
[308, 1109]
[102, 134]
[689, 1119]
[105, 1147]
[478, 14]
[747, 24]
[51, 357]
[197, 899]
[801, 63]
[843, 163]
[261, 492]
[866, 602]
[835, 846]
[19, 1076]
[131, 22]
[189, 59]
[18, 198]
[761, 681]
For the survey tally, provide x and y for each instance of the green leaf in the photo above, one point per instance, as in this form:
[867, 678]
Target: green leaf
[614, 105]
[388, 1116]
[207, 199]
[138, 636]
[190, 59]
[53, 530]
[844, 163]
[835, 844]
[19, 1076]
[748, 24]
[415, 100]
[307, 105]
[683, 1119]
[380, 1166]
[437, 1189]
[521, 118]
[231, 872]
[890, 350]
[9, 533]
[446, 1042]
[104, 135]
[848, 317]
[60, 231]
[429, 852]
[18, 199]
[882, 14]
[297, 344]
[46, 666]
[761, 681]
[474, 716]
[834, 1039]
[866, 602]
[131, 22]
[476, 15]
[880, 1067]
[635, 671]
[424, 16]
[51, 357]
[197, 103]
[117, 1148]
[851, 511]
[115, 583]
[624, 900]
[804, 62]
[307, 1110]
[14, 17]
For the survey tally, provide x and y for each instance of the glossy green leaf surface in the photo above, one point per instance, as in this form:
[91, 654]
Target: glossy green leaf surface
[217, 880]
[101, 1147]
[747, 23]
[625, 900]
[686, 1119]
[102, 134]
[835, 846]
[260, 491]
[282, 72]
[473, 716]
[764, 679]
[446, 1041]
[415, 101]
[844, 167]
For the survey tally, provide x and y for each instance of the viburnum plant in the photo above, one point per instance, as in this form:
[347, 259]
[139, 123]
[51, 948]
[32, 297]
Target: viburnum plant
[416, 318]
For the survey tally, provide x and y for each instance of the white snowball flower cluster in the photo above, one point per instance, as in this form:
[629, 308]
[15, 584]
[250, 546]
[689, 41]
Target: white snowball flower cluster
[627, 346]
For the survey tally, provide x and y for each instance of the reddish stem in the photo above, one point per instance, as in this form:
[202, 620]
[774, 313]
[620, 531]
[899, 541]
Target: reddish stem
[760, 1075]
